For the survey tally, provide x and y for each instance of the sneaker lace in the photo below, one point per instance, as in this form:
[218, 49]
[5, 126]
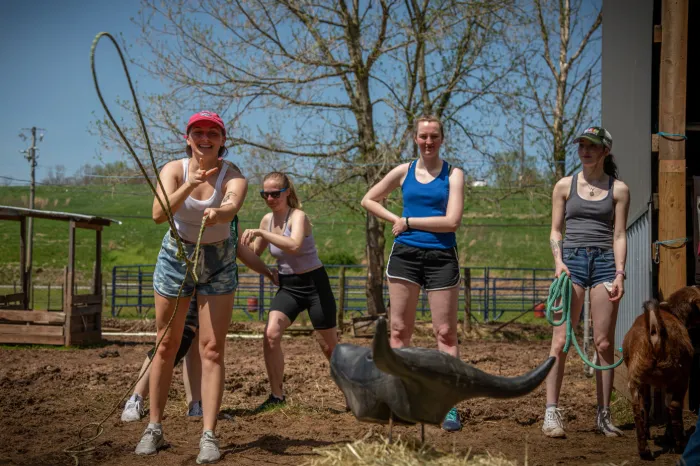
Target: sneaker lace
[554, 415]
[606, 418]
[208, 441]
[149, 435]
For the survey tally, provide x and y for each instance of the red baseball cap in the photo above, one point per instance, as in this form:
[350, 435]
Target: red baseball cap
[206, 115]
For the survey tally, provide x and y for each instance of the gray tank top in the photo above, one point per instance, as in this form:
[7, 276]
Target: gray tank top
[289, 264]
[589, 223]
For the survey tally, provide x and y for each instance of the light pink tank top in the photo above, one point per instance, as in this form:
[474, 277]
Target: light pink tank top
[188, 219]
[289, 264]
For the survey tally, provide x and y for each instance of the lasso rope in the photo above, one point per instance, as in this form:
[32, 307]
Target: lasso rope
[561, 290]
[190, 263]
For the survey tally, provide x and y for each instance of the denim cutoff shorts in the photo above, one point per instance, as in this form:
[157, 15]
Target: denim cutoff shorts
[590, 266]
[216, 269]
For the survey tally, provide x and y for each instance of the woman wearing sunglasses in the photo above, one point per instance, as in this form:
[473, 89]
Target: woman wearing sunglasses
[424, 254]
[200, 186]
[303, 281]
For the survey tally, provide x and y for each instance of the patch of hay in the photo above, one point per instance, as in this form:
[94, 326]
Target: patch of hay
[378, 451]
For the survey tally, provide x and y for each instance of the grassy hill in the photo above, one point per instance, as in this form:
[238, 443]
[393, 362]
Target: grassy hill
[498, 230]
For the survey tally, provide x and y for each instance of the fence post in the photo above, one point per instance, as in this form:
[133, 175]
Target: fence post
[467, 277]
[140, 301]
[114, 287]
[487, 287]
[261, 298]
[494, 296]
[341, 298]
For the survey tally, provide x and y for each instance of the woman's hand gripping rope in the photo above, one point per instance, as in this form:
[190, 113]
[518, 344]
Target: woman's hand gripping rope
[190, 265]
[561, 291]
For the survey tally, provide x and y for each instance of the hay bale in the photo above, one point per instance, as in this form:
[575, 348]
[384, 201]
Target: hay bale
[407, 453]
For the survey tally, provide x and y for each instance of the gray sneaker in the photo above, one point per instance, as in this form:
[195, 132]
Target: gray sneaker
[133, 410]
[604, 424]
[195, 409]
[208, 448]
[151, 440]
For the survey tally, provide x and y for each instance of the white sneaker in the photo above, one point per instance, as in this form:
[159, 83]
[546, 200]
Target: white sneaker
[133, 410]
[604, 424]
[553, 425]
[208, 448]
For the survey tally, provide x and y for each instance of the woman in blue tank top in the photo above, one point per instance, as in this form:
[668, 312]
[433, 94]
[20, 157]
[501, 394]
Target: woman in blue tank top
[591, 206]
[424, 254]
[303, 281]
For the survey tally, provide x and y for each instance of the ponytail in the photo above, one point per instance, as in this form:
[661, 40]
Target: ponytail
[610, 167]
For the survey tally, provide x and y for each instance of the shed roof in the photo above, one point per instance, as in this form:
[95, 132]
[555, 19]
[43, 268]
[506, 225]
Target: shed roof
[9, 212]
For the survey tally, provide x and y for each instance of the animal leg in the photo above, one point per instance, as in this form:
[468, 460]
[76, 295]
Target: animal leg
[675, 414]
[646, 396]
[640, 417]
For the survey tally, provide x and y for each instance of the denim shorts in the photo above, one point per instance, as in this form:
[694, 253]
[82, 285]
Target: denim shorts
[216, 269]
[590, 266]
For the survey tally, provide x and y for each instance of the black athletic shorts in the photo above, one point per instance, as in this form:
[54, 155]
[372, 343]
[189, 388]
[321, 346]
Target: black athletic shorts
[310, 290]
[191, 320]
[432, 269]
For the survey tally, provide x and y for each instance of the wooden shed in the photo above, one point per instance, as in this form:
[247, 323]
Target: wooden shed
[651, 107]
[80, 320]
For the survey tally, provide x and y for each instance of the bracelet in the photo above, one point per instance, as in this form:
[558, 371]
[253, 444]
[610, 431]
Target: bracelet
[621, 272]
[407, 224]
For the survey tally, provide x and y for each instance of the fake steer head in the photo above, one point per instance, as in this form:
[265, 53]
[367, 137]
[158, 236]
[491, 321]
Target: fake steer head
[416, 385]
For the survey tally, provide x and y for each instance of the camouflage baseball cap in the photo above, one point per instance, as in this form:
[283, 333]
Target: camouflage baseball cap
[596, 135]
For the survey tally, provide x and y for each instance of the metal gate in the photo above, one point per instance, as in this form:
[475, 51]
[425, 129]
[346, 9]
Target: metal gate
[638, 286]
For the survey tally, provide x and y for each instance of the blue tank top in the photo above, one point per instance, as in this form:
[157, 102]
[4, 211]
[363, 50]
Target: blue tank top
[426, 200]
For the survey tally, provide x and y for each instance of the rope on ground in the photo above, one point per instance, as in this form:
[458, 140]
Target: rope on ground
[190, 264]
[561, 291]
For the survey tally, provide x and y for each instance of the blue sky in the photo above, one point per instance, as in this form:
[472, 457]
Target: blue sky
[46, 79]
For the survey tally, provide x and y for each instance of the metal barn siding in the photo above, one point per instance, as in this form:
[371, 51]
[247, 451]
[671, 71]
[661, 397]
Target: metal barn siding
[639, 267]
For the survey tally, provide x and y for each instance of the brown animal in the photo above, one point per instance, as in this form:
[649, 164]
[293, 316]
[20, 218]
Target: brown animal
[657, 351]
[685, 304]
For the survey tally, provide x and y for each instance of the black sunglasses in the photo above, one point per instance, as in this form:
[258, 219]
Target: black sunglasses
[272, 194]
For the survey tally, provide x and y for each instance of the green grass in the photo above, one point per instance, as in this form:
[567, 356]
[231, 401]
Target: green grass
[497, 231]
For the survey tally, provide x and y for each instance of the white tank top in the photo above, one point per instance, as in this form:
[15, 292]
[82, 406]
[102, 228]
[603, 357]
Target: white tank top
[188, 218]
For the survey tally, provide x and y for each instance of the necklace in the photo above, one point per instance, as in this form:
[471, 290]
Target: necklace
[591, 191]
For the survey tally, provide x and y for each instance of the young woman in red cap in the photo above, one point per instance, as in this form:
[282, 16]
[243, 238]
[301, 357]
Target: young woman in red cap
[198, 186]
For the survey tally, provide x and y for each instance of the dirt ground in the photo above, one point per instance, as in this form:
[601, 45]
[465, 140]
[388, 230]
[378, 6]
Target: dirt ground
[47, 394]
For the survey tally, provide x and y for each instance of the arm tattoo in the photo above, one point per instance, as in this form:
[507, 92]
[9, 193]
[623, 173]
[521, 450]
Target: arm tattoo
[227, 198]
[556, 247]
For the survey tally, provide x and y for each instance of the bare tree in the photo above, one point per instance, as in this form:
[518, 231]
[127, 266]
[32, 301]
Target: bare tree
[561, 74]
[328, 90]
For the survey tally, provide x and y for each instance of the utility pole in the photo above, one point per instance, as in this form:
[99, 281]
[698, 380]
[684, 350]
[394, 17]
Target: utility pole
[30, 155]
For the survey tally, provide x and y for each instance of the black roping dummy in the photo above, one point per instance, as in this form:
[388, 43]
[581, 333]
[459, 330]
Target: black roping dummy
[416, 385]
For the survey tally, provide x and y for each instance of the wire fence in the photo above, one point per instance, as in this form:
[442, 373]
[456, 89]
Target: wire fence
[497, 293]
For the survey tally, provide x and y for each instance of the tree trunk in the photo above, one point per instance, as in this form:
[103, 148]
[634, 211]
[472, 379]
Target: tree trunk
[375, 265]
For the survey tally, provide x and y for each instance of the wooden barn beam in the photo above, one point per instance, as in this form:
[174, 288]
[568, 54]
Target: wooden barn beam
[672, 97]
